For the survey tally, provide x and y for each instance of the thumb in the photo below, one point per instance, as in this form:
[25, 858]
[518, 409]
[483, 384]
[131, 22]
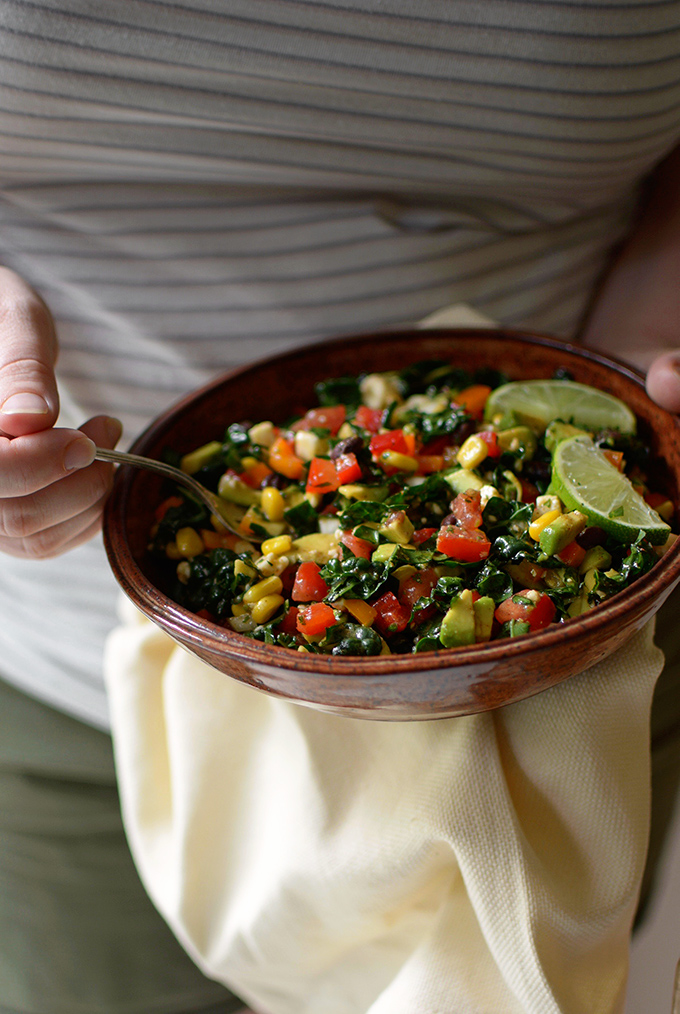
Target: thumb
[28, 350]
[663, 381]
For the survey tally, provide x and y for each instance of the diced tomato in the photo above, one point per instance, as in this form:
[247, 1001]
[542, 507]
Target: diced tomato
[357, 546]
[309, 586]
[288, 625]
[205, 614]
[393, 440]
[418, 586]
[348, 468]
[572, 555]
[322, 476]
[428, 463]
[467, 508]
[391, 617]
[164, 507]
[284, 460]
[369, 418]
[422, 535]
[473, 399]
[529, 491]
[490, 438]
[330, 417]
[468, 545]
[614, 458]
[538, 614]
[315, 619]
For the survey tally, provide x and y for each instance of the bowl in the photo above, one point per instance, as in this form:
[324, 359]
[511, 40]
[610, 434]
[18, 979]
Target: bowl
[437, 684]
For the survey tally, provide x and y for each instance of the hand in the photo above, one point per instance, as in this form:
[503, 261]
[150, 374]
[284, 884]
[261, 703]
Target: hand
[51, 490]
[663, 381]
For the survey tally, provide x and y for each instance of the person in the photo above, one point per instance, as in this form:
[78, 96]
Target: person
[185, 187]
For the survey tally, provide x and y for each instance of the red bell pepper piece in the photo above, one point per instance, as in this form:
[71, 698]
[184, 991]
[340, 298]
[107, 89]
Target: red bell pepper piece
[393, 440]
[322, 476]
[348, 468]
[490, 438]
[572, 555]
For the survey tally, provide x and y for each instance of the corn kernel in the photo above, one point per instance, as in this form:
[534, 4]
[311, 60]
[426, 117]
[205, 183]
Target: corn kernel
[473, 452]
[541, 522]
[265, 608]
[268, 586]
[278, 545]
[404, 462]
[273, 505]
[237, 609]
[241, 567]
[189, 542]
[172, 552]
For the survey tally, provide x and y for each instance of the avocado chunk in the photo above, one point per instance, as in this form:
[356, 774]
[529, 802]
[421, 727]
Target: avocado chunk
[357, 491]
[205, 455]
[458, 625]
[232, 488]
[484, 609]
[520, 439]
[462, 479]
[384, 552]
[558, 431]
[597, 558]
[397, 527]
[560, 532]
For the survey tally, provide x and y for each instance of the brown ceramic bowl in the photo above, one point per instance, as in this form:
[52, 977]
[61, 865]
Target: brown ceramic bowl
[434, 684]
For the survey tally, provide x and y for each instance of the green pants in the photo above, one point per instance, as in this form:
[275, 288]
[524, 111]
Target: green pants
[78, 934]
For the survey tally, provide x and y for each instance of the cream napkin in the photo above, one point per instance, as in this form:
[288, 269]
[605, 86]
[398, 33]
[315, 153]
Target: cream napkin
[322, 865]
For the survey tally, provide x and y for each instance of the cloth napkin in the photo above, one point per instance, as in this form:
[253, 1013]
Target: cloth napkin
[316, 864]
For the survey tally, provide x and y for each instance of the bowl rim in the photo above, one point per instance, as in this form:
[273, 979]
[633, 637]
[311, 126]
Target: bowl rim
[196, 631]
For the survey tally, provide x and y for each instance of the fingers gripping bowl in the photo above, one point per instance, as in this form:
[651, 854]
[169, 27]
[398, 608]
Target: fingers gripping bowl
[432, 683]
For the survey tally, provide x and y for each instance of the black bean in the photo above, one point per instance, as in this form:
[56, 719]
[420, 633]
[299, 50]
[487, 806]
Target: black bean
[352, 445]
[275, 480]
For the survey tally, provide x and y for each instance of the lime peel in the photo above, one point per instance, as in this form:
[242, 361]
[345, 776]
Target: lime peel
[539, 402]
[585, 480]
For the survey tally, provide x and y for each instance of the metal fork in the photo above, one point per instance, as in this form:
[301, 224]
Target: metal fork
[227, 512]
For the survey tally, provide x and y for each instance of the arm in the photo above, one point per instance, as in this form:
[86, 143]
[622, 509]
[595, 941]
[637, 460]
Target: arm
[51, 492]
[636, 314]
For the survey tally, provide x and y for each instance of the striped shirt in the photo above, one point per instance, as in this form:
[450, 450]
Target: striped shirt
[194, 184]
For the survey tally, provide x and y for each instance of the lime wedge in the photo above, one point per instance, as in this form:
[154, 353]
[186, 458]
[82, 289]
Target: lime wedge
[585, 480]
[538, 402]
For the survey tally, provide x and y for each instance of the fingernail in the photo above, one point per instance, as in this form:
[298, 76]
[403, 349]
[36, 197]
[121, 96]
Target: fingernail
[114, 429]
[79, 454]
[25, 403]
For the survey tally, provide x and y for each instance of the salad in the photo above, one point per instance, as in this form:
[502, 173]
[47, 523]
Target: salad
[417, 510]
